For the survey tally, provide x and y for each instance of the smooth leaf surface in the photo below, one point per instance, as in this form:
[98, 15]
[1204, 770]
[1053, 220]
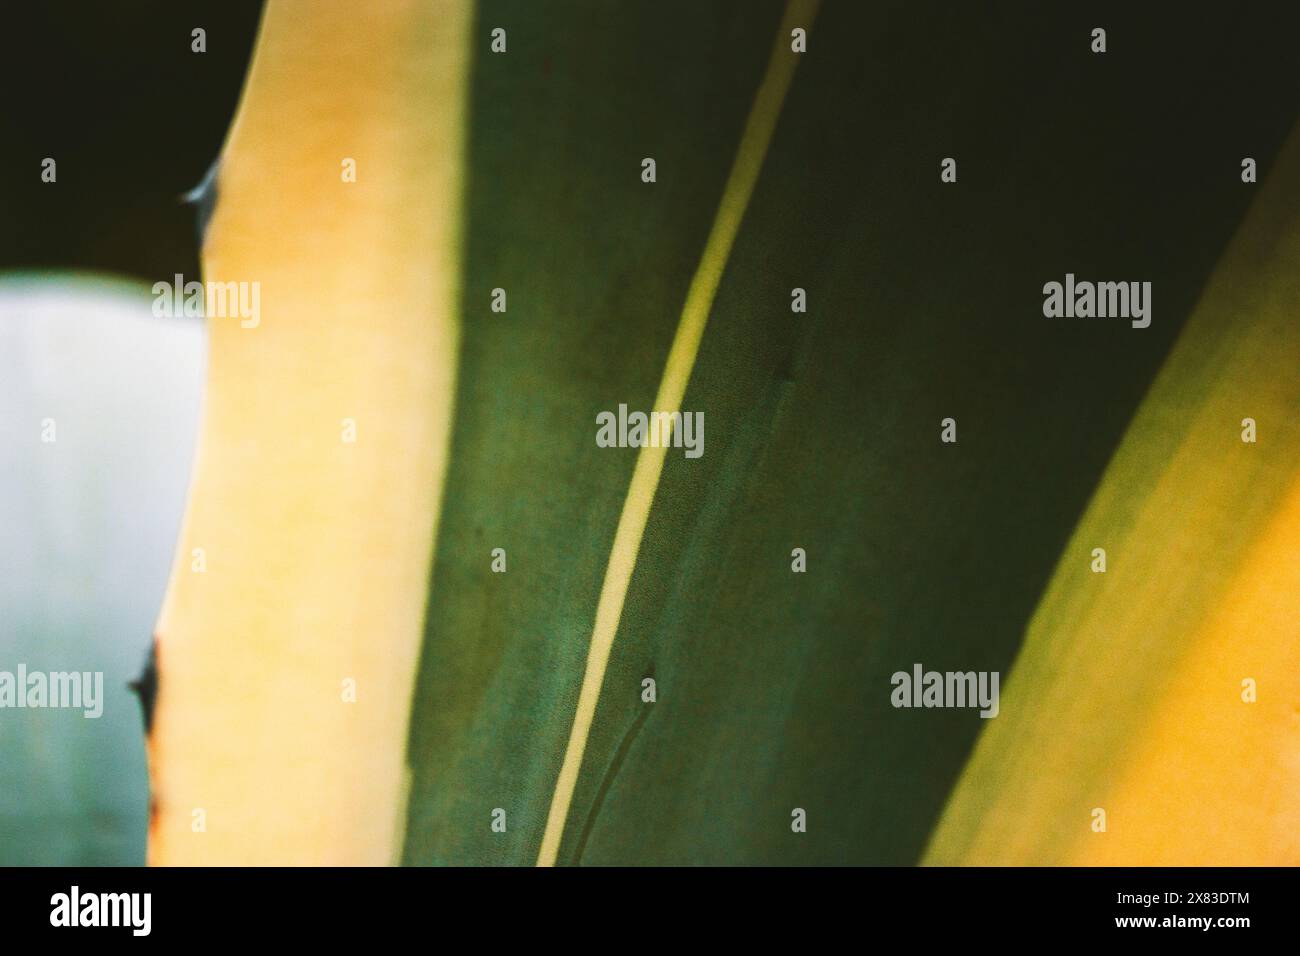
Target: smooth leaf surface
[822, 429]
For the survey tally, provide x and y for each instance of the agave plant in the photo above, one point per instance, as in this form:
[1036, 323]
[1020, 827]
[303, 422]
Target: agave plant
[417, 613]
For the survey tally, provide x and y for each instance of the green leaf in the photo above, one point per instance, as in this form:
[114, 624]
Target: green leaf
[822, 429]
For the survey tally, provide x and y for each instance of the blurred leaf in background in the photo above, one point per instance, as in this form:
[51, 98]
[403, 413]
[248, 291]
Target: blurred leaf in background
[90, 524]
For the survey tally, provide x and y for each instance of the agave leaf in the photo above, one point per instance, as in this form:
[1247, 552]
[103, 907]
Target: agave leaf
[317, 548]
[1128, 696]
[822, 430]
